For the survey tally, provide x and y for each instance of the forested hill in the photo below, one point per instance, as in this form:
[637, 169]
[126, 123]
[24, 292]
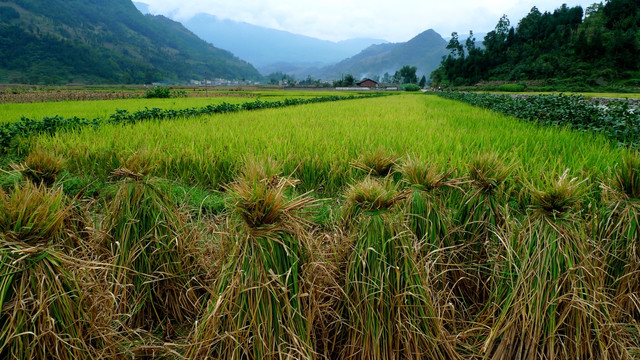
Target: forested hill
[424, 51]
[98, 41]
[570, 47]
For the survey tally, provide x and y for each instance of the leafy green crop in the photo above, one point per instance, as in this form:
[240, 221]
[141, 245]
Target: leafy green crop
[617, 120]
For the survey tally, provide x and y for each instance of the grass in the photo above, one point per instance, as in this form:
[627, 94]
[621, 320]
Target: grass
[388, 307]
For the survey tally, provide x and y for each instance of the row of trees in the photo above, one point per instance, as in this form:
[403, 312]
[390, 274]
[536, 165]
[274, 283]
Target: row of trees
[594, 46]
[405, 75]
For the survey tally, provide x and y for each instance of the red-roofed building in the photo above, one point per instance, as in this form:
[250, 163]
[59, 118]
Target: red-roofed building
[368, 83]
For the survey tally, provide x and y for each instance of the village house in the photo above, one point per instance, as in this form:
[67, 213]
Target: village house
[368, 83]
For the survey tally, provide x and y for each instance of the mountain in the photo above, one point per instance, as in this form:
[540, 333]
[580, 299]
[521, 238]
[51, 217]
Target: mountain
[264, 47]
[425, 51]
[97, 41]
[142, 7]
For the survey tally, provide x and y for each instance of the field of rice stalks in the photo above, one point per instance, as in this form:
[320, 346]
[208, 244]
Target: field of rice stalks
[398, 227]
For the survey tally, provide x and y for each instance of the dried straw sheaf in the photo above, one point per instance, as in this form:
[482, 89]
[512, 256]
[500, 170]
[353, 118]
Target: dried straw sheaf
[378, 163]
[556, 308]
[622, 235]
[480, 217]
[153, 253]
[259, 307]
[42, 314]
[388, 309]
[41, 167]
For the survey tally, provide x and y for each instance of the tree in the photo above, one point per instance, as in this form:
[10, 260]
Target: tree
[396, 78]
[455, 47]
[423, 81]
[470, 43]
[408, 75]
[347, 80]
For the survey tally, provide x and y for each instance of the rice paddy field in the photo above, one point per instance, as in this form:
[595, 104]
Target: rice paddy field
[405, 226]
[103, 108]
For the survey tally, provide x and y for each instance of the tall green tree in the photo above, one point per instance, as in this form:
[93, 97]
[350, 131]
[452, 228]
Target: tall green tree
[567, 46]
[408, 74]
[423, 82]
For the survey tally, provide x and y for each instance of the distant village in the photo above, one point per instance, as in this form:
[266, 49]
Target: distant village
[364, 84]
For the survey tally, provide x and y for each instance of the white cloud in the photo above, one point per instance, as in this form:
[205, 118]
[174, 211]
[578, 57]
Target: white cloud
[341, 19]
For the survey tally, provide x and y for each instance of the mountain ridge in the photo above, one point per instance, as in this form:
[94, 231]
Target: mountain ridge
[270, 49]
[265, 46]
[60, 41]
[424, 51]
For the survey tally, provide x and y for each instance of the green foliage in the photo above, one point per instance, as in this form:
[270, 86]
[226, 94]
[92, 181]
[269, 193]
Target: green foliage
[158, 92]
[411, 87]
[71, 47]
[512, 87]
[8, 13]
[407, 75]
[555, 47]
[423, 82]
[347, 80]
[615, 120]
[276, 77]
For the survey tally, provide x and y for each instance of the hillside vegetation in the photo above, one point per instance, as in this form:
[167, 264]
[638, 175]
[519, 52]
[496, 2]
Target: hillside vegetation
[571, 48]
[58, 42]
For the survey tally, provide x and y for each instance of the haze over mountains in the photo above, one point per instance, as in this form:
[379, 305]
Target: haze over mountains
[264, 47]
[271, 50]
[425, 51]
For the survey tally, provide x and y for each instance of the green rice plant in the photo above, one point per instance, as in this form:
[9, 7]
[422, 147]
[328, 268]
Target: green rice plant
[152, 251]
[622, 234]
[258, 308]
[41, 311]
[556, 308]
[41, 167]
[317, 143]
[388, 309]
[378, 163]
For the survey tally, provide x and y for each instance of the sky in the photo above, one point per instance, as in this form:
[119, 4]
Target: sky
[335, 20]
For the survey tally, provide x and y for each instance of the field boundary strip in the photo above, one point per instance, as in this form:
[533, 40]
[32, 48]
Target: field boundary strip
[616, 120]
[26, 127]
